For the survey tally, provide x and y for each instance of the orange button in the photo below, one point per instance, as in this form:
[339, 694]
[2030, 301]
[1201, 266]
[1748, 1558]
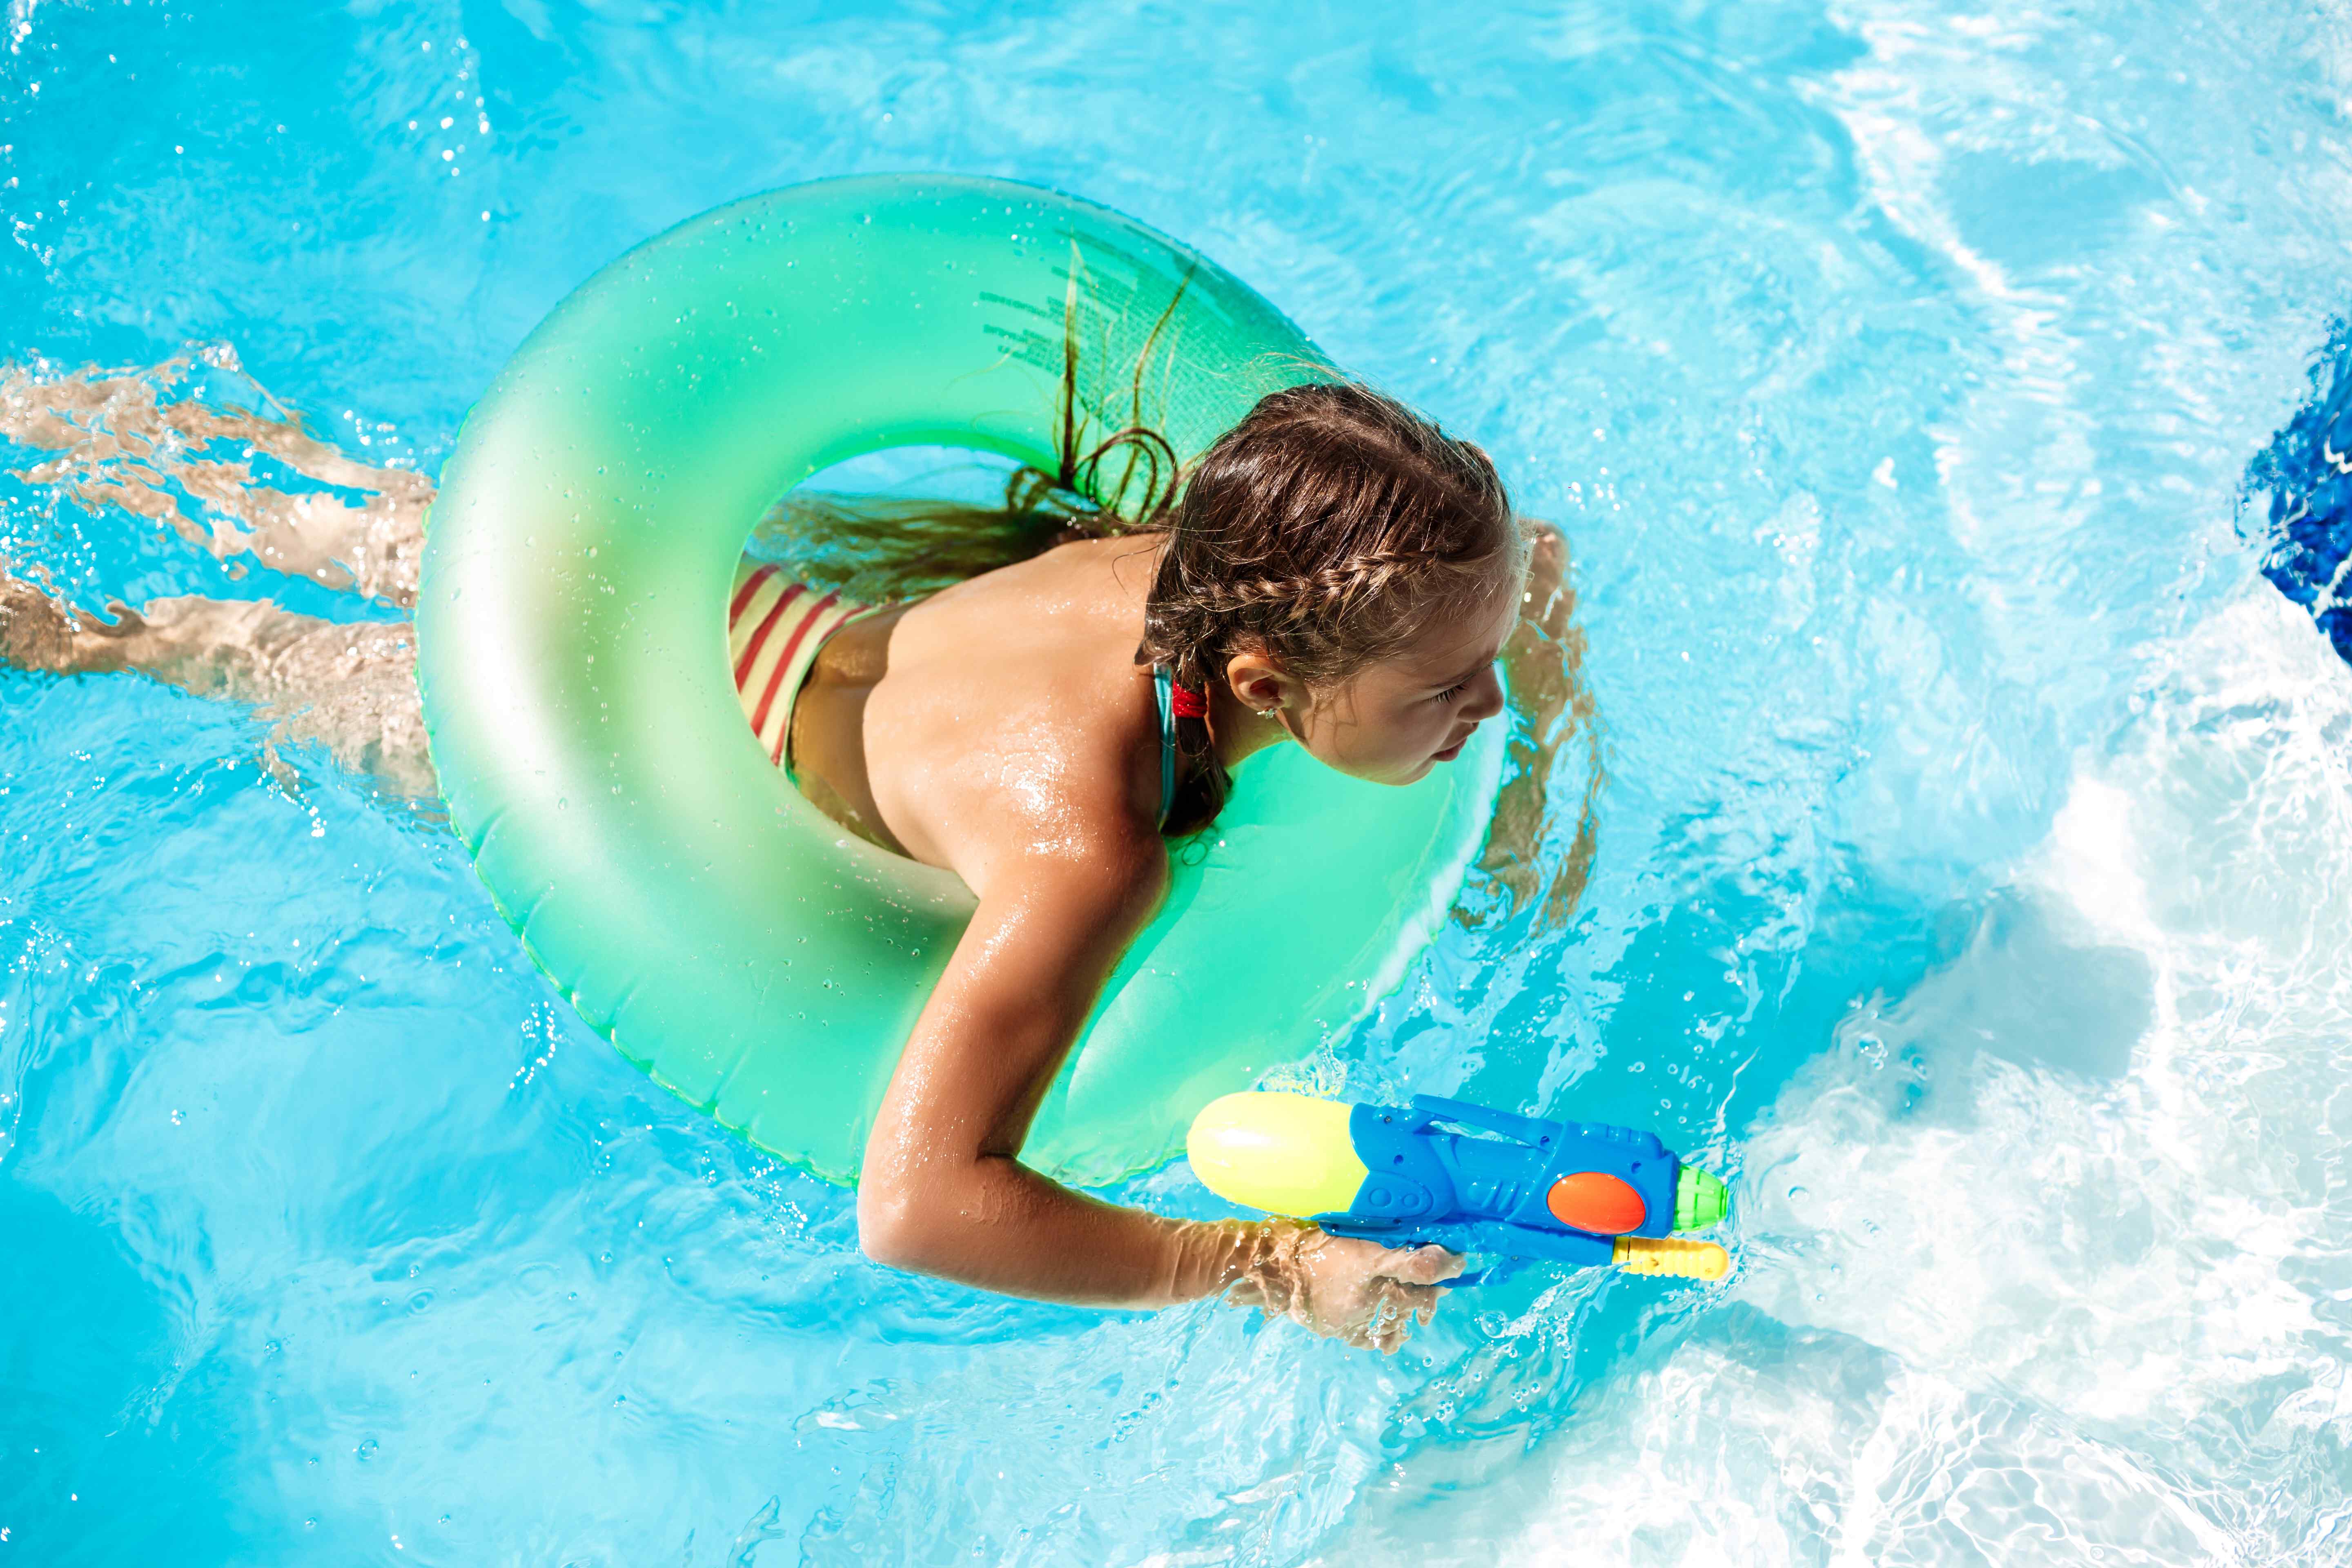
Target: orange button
[1596, 1202]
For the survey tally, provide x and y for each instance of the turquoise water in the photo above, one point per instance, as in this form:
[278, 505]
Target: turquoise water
[1971, 884]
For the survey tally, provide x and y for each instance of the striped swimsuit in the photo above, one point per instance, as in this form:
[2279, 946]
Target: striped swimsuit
[775, 628]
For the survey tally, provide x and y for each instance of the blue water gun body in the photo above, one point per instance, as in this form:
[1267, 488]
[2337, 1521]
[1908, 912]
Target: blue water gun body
[1465, 1178]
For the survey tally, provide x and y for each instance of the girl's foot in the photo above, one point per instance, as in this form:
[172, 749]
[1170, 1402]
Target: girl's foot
[37, 633]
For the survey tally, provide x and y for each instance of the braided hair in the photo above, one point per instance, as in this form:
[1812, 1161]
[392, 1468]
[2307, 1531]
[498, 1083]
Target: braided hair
[1326, 530]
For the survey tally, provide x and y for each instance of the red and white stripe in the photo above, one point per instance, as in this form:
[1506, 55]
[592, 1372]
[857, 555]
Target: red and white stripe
[774, 627]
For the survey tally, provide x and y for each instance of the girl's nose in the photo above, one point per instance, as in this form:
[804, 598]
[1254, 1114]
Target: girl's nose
[1484, 698]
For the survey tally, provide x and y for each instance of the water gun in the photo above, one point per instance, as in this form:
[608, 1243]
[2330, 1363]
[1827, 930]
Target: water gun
[1465, 1178]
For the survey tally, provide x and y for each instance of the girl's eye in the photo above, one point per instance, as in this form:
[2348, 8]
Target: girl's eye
[1451, 692]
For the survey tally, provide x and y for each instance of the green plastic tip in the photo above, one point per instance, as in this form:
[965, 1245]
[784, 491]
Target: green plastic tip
[1699, 1200]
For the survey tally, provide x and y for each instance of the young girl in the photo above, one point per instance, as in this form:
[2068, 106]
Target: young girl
[1337, 574]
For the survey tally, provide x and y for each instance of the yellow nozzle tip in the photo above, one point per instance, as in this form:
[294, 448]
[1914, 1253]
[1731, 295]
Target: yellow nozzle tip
[1671, 1256]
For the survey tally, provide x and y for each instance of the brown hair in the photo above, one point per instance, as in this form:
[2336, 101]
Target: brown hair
[1327, 529]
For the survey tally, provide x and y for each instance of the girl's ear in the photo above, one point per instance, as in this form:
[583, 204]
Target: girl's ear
[1260, 682]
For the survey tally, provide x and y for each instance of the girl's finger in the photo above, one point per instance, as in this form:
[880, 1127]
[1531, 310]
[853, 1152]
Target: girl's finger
[1419, 1265]
[1401, 1305]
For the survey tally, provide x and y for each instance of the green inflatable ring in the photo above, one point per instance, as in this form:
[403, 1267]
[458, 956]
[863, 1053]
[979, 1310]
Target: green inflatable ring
[698, 912]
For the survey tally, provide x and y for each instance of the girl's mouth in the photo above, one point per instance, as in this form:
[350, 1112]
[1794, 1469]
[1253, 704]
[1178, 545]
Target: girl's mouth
[1460, 740]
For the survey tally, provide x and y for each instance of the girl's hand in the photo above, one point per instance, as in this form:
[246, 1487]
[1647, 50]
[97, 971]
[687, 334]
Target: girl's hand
[1356, 1291]
[1545, 662]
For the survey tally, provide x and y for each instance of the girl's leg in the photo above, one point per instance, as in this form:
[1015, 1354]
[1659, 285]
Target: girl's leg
[349, 688]
[111, 440]
[1544, 661]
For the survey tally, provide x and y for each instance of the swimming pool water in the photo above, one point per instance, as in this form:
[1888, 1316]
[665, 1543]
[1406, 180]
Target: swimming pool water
[1973, 878]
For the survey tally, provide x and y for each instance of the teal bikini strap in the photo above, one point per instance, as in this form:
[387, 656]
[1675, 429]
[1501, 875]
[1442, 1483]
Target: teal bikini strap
[1162, 683]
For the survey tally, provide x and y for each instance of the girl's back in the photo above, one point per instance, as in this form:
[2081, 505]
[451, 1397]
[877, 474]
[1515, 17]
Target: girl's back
[1005, 714]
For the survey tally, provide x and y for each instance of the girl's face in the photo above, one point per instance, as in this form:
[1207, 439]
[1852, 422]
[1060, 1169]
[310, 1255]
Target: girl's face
[1396, 718]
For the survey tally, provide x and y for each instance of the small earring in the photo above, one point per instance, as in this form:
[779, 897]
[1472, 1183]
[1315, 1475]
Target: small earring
[1269, 712]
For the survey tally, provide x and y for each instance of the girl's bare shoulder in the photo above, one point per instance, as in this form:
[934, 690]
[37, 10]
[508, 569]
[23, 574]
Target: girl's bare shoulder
[1014, 723]
[1097, 578]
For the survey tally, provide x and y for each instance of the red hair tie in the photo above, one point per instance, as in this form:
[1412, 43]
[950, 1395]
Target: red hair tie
[1186, 703]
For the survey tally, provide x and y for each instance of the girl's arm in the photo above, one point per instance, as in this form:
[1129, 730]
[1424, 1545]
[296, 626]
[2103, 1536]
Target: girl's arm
[943, 1192]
